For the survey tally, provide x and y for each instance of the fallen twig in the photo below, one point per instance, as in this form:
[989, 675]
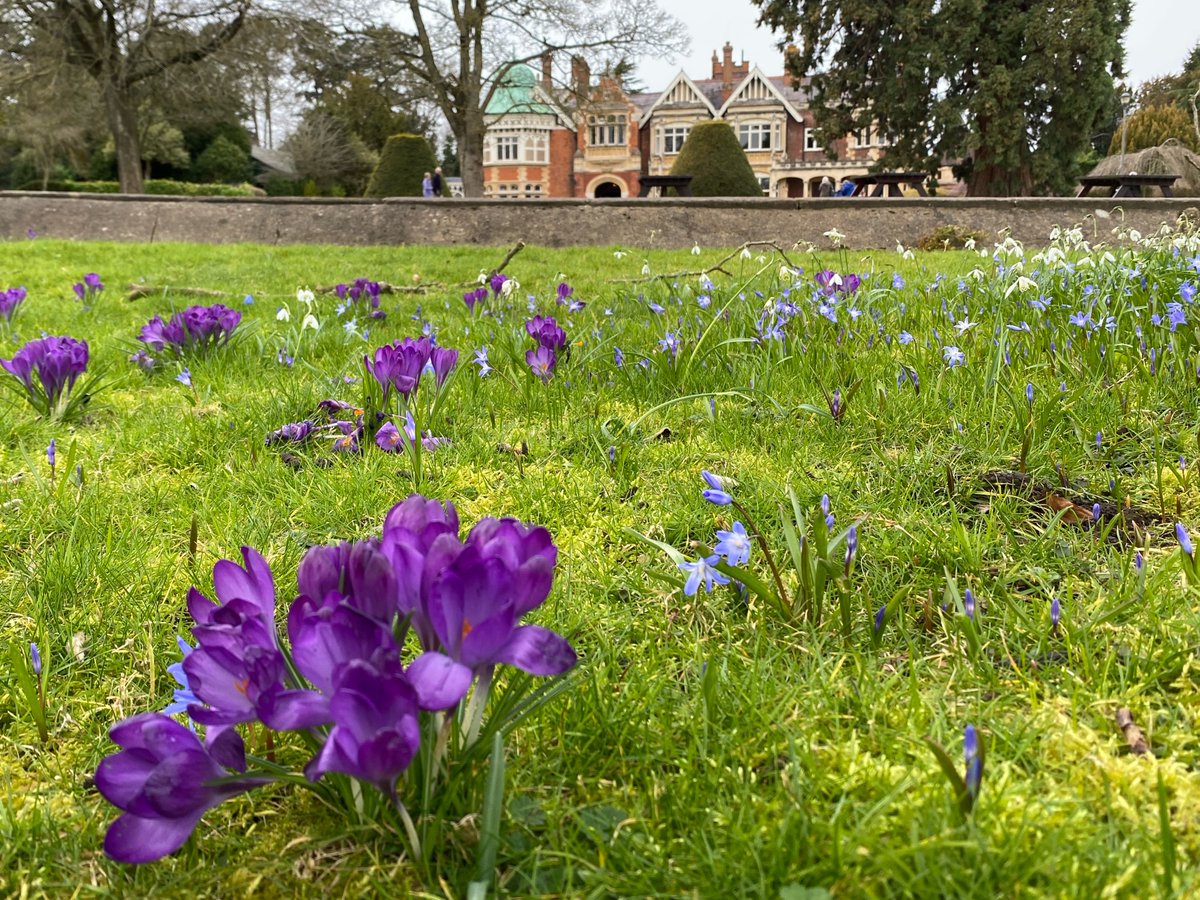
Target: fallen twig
[137, 291]
[1133, 734]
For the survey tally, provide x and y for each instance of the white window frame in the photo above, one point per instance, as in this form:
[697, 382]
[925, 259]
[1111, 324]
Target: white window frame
[755, 135]
[673, 137]
[606, 130]
[810, 140]
[508, 148]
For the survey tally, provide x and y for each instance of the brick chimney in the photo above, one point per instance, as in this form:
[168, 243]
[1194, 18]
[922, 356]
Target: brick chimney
[581, 77]
[548, 70]
[716, 63]
[727, 67]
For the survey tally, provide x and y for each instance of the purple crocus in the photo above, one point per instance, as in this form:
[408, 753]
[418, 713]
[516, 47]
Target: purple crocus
[376, 731]
[471, 298]
[197, 328]
[547, 332]
[542, 362]
[475, 602]
[56, 361]
[10, 299]
[563, 291]
[968, 600]
[164, 780]
[443, 361]
[398, 366]
[1055, 612]
[293, 433]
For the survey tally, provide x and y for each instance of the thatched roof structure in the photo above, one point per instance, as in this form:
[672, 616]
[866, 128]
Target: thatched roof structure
[1170, 158]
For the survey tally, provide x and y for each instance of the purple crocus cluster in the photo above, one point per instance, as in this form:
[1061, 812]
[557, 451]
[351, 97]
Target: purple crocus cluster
[55, 361]
[89, 289]
[551, 341]
[341, 675]
[398, 366]
[831, 282]
[362, 288]
[10, 299]
[291, 433]
[195, 329]
[471, 298]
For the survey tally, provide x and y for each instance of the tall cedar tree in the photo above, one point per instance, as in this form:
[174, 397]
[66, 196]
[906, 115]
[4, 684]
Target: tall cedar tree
[1012, 88]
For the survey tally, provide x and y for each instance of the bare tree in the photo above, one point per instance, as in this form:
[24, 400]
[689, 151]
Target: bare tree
[122, 45]
[459, 50]
[324, 151]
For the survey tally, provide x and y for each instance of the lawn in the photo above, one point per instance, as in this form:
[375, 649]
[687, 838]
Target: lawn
[1007, 438]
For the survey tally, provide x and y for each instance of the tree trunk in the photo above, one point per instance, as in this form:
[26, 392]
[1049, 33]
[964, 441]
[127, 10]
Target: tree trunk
[122, 122]
[470, 156]
[990, 180]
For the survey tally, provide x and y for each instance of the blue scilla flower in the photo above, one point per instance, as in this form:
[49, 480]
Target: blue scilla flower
[703, 571]
[716, 492]
[734, 545]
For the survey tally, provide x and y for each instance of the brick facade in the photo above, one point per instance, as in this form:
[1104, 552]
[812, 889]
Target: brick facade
[598, 139]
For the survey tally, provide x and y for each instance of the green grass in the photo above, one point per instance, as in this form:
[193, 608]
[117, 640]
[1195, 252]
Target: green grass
[705, 748]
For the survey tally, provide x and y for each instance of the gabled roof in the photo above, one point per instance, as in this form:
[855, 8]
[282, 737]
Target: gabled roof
[758, 88]
[519, 92]
[682, 90]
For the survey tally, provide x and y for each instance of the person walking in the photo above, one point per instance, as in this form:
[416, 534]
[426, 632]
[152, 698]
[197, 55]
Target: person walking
[437, 182]
[826, 188]
[427, 186]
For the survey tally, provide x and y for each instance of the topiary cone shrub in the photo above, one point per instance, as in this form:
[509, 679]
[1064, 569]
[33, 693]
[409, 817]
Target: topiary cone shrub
[402, 165]
[715, 160]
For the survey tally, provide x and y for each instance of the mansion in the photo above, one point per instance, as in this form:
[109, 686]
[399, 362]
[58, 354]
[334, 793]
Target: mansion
[596, 140]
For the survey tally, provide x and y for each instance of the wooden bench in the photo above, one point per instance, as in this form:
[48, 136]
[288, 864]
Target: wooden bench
[892, 181]
[681, 183]
[1127, 185]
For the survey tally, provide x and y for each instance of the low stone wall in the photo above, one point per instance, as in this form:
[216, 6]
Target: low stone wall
[667, 223]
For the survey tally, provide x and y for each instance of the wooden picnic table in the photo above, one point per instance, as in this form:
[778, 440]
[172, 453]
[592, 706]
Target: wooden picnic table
[681, 183]
[1127, 185]
[892, 181]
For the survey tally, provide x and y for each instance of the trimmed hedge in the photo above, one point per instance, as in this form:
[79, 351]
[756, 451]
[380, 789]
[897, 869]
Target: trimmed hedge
[402, 166]
[714, 158]
[158, 186]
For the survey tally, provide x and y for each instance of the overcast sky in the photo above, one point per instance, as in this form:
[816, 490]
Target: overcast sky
[1162, 33]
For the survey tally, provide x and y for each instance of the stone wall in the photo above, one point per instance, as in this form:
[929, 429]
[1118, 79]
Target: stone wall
[666, 223]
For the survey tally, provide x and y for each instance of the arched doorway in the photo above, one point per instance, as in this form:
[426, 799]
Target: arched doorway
[607, 189]
[789, 187]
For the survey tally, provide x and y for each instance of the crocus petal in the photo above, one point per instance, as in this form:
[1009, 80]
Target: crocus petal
[439, 681]
[538, 651]
[293, 710]
[120, 777]
[134, 839]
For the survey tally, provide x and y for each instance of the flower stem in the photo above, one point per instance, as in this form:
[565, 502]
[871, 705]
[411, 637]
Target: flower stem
[762, 543]
[474, 713]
